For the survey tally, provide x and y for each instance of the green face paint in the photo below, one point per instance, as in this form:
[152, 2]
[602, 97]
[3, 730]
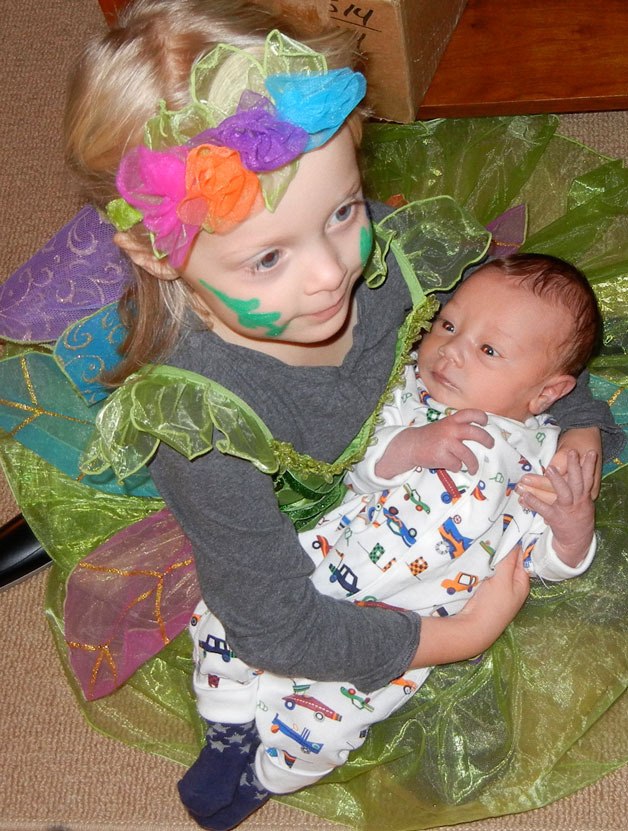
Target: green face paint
[366, 244]
[248, 318]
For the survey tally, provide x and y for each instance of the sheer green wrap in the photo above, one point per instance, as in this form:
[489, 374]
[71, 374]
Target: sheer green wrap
[542, 713]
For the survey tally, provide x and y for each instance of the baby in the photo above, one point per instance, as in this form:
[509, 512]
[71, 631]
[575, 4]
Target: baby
[428, 517]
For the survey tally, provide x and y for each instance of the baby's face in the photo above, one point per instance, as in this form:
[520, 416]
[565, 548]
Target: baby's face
[492, 347]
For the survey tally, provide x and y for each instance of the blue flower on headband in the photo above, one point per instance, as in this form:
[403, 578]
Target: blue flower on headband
[317, 103]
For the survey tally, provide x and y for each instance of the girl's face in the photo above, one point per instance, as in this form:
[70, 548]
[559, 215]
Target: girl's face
[282, 282]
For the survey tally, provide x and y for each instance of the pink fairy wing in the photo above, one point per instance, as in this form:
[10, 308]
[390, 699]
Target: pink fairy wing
[128, 599]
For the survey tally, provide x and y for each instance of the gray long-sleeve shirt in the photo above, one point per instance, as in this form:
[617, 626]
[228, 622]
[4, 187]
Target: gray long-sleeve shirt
[252, 570]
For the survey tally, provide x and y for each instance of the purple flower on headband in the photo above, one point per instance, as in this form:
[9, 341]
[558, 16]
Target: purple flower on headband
[263, 141]
[153, 182]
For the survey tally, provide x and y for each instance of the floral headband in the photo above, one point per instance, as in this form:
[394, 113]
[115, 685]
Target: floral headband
[210, 166]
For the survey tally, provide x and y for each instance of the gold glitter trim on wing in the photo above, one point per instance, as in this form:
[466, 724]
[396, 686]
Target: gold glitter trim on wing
[104, 648]
[35, 410]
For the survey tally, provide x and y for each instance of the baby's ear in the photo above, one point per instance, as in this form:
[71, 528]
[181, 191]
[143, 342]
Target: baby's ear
[144, 257]
[558, 386]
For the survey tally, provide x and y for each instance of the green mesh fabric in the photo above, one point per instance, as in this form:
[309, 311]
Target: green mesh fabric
[543, 713]
[181, 408]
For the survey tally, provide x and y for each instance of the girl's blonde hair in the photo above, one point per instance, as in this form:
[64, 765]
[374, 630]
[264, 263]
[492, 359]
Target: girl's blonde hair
[117, 84]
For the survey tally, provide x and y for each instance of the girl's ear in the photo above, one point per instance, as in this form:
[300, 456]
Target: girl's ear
[558, 386]
[144, 258]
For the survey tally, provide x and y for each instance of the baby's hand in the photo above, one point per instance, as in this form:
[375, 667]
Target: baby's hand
[580, 439]
[442, 442]
[437, 445]
[572, 515]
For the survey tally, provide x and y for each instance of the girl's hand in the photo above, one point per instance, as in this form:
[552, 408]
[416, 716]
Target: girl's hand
[498, 599]
[572, 515]
[445, 640]
[436, 445]
[580, 439]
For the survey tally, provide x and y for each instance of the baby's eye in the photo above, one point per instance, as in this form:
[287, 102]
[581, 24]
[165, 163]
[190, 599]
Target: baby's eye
[447, 325]
[267, 260]
[489, 350]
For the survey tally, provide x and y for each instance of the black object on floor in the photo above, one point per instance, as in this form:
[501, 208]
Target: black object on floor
[20, 552]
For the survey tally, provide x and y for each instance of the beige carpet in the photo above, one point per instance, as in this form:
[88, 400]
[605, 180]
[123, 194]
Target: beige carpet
[57, 773]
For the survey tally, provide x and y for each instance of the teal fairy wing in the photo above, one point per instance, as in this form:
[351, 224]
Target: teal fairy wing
[88, 349]
[616, 395]
[40, 409]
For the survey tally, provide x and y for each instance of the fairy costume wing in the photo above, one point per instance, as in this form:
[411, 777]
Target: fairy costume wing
[520, 748]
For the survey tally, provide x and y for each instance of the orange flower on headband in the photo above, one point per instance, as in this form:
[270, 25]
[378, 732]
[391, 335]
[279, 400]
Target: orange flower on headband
[220, 191]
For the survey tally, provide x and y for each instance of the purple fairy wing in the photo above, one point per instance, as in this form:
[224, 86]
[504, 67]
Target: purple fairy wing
[73, 275]
[128, 599]
[509, 231]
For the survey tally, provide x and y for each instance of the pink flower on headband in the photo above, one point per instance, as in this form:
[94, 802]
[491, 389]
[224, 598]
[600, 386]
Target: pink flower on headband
[153, 182]
[264, 142]
[220, 192]
[180, 190]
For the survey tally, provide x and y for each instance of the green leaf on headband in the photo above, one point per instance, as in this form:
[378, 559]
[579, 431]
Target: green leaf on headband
[122, 215]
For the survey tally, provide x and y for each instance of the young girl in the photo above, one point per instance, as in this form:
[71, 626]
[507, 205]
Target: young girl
[239, 200]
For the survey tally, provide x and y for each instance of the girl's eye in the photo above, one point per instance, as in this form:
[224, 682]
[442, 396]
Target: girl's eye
[489, 350]
[267, 261]
[343, 213]
[447, 325]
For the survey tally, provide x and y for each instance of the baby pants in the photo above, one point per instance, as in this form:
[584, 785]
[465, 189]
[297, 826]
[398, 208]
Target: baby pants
[307, 728]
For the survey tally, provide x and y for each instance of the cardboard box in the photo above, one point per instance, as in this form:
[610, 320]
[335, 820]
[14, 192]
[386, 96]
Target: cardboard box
[403, 41]
[111, 8]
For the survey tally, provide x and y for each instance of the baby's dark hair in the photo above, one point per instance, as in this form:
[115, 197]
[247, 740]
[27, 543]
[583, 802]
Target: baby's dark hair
[557, 280]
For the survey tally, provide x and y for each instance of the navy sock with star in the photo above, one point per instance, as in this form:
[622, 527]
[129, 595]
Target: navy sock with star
[249, 796]
[214, 779]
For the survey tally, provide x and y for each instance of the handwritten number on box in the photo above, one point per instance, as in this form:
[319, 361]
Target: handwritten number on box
[350, 10]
